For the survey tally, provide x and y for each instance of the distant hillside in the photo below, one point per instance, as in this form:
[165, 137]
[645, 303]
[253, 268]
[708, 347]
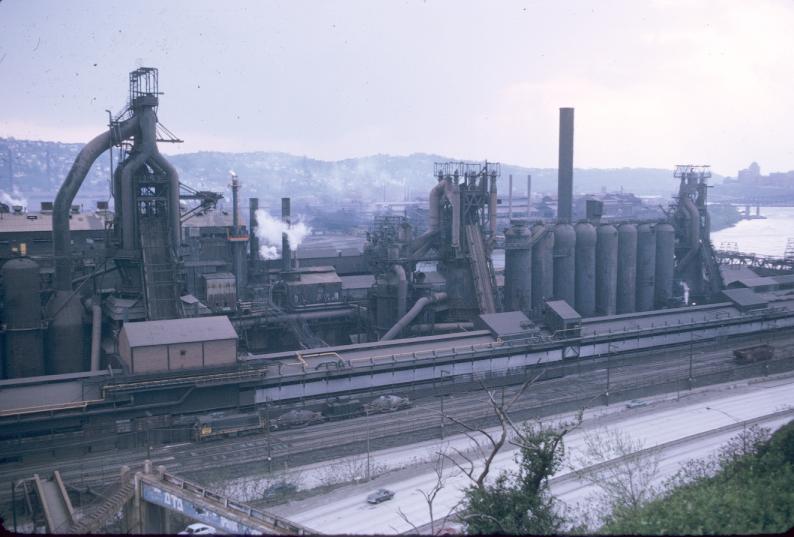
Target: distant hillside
[37, 169]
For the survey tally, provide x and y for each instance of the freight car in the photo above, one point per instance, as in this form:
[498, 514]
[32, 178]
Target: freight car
[223, 424]
[296, 418]
[387, 403]
[749, 355]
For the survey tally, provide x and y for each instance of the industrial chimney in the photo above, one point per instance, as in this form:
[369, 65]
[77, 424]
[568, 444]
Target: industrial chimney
[565, 167]
[286, 253]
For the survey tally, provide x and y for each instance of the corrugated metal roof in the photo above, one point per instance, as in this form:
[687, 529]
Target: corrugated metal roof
[745, 298]
[314, 278]
[148, 333]
[504, 324]
[563, 310]
[11, 222]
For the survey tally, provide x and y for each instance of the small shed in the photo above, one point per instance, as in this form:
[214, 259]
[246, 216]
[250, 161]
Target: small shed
[506, 325]
[562, 319]
[155, 346]
[745, 299]
[220, 290]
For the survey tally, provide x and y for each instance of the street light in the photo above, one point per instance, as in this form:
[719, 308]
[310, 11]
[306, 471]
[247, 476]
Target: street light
[441, 400]
[737, 421]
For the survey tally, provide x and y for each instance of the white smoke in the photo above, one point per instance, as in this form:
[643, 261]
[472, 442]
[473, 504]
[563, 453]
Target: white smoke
[15, 198]
[269, 230]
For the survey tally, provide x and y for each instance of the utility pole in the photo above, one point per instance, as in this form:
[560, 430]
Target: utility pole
[366, 414]
[269, 447]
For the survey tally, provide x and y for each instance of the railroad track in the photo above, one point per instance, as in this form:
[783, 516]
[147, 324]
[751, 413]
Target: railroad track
[98, 469]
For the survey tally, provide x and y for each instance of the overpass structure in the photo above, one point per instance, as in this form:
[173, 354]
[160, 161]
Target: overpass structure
[148, 501]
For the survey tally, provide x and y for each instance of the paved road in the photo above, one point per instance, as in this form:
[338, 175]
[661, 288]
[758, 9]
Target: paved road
[238, 456]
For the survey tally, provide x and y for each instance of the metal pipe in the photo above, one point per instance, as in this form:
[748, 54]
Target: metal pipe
[565, 167]
[173, 179]
[264, 318]
[96, 332]
[452, 192]
[510, 198]
[440, 327]
[412, 314]
[434, 207]
[61, 234]
[402, 290]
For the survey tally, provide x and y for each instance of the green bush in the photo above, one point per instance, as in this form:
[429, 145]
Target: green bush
[751, 492]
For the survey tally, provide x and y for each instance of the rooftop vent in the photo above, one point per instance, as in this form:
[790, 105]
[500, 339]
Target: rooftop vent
[101, 206]
[46, 206]
[17, 209]
[75, 209]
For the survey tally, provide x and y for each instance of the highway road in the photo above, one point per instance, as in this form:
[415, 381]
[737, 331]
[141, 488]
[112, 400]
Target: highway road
[691, 427]
[228, 458]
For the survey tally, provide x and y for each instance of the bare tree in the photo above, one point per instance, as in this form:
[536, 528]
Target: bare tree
[495, 442]
[517, 502]
[622, 468]
[442, 475]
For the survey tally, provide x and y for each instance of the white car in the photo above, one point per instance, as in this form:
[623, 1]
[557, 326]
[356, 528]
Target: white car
[198, 529]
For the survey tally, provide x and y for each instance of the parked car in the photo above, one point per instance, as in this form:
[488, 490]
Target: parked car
[636, 403]
[380, 495]
[198, 529]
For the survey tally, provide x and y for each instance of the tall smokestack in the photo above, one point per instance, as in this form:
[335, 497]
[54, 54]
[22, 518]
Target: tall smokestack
[286, 253]
[565, 167]
[529, 197]
[253, 240]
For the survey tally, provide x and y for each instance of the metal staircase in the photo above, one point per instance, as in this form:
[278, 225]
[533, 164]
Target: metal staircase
[159, 270]
[99, 514]
[482, 275]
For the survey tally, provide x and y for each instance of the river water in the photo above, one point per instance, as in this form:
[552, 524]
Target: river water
[766, 237]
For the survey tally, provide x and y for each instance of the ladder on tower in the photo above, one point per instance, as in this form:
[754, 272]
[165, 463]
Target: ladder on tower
[480, 271]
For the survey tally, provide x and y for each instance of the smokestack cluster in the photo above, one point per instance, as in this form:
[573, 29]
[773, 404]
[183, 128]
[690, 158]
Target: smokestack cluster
[565, 167]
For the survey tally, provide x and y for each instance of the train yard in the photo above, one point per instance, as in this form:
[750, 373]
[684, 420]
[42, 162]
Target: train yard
[585, 383]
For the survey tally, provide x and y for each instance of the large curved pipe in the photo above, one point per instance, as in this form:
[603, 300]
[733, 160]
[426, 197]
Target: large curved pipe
[61, 234]
[127, 203]
[402, 290]
[452, 192]
[412, 314]
[145, 149]
[434, 207]
[173, 179]
[422, 242]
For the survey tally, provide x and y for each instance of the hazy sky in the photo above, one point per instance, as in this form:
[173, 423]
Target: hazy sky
[654, 83]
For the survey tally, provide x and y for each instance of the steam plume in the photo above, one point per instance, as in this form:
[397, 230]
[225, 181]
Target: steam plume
[269, 232]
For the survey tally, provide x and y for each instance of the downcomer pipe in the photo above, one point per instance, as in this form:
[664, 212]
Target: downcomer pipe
[61, 234]
[412, 314]
[402, 290]
[434, 207]
[452, 191]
